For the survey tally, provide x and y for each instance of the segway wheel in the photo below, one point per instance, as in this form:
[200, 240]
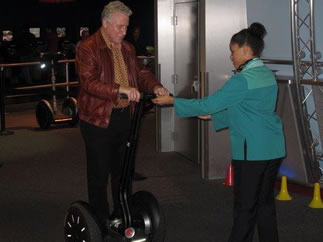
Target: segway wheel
[44, 114]
[148, 216]
[69, 108]
[80, 224]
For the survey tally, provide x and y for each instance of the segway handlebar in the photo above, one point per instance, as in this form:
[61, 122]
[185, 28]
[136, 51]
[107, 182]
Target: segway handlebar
[143, 95]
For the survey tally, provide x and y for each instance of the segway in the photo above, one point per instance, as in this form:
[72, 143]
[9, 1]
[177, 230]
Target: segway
[141, 216]
[47, 114]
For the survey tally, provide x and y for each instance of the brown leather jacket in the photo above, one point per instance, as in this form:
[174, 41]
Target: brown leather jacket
[98, 91]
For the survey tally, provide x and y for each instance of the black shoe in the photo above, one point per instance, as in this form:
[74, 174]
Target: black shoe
[138, 177]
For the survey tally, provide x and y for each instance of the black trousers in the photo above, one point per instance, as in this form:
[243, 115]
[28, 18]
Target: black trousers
[105, 148]
[254, 201]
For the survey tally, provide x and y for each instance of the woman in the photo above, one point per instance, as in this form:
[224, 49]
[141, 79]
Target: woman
[245, 105]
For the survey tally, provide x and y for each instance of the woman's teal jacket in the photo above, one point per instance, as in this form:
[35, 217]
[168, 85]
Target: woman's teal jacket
[246, 105]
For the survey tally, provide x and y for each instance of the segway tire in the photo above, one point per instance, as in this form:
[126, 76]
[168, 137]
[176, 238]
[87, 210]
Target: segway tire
[69, 108]
[44, 114]
[80, 224]
[148, 216]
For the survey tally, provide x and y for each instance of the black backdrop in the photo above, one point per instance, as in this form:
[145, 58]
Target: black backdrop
[14, 14]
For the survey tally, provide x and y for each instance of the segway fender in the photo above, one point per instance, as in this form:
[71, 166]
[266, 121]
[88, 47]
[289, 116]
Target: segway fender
[44, 114]
[145, 207]
[69, 108]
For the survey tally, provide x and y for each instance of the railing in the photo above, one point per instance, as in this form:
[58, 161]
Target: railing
[286, 79]
[146, 60]
[67, 84]
[289, 62]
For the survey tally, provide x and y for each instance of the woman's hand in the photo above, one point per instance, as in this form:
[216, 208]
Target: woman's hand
[132, 93]
[163, 100]
[205, 117]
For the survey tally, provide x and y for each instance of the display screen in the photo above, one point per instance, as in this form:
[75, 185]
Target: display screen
[61, 32]
[35, 31]
[7, 35]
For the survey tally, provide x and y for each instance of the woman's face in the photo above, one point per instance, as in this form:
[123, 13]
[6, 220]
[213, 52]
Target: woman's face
[239, 55]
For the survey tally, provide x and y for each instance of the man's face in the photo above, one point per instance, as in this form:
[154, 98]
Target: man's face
[136, 33]
[116, 27]
[85, 34]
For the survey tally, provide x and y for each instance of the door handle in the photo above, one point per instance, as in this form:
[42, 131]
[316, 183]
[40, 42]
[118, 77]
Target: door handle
[196, 86]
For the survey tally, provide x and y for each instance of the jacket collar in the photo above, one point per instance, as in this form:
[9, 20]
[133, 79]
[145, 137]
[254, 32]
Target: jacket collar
[108, 42]
[255, 62]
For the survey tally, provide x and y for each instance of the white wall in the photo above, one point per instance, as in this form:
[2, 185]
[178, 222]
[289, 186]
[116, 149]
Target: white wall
[274, 15]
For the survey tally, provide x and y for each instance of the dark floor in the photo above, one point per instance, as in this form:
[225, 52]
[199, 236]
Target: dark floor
[43, 171]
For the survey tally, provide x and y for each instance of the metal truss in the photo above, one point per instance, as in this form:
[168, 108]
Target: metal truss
[305, 67]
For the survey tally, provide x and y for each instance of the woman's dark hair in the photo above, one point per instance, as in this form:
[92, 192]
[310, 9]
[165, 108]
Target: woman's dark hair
[252, 37]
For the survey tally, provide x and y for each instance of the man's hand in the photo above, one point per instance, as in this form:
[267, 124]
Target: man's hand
[132, 93]
[160, 91]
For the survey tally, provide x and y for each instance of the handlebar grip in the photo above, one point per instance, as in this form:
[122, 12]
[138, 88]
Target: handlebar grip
[142, 95]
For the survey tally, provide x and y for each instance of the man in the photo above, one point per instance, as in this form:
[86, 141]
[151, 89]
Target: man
[26, 48]
[51, 40]
[84, 35]
[107, 66]
[138, 42]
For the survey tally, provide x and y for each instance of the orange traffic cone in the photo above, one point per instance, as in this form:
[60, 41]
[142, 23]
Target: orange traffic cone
[317, 201]
[229, 177]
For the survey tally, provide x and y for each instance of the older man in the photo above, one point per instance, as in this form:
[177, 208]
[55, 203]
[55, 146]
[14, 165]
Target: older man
[107, 66]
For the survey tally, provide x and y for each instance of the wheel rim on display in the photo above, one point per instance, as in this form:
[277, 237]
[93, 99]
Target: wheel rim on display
[80, 225]
[75, 227]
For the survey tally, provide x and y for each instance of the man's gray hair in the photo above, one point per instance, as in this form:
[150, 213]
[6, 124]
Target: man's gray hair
[115, 6]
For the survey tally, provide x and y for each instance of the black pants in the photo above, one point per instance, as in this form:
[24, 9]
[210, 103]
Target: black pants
[254, 201]
[105, 148]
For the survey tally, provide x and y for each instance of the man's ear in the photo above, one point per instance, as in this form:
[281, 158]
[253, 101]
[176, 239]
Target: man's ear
[105, 22]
